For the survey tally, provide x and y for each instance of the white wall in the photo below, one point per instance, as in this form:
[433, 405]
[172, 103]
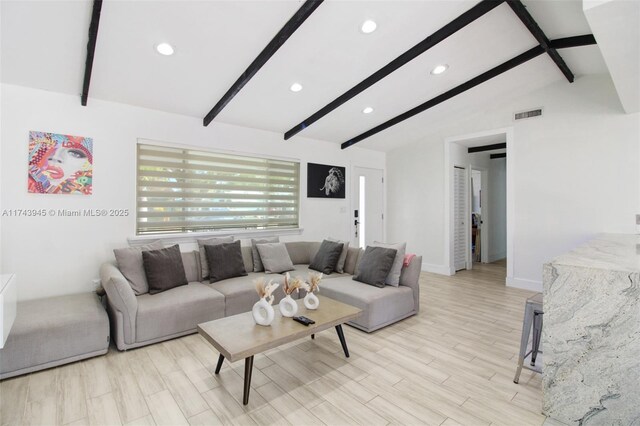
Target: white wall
[576, 175]
[62, 254]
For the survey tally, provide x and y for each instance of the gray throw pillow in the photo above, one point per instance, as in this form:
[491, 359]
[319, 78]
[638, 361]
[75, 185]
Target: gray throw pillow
[204, 266]
[343, 256]
[257, 263]
[164, 269]
[225, 261]
[130, 264]
[375, 265]
[326, 258]
[275, 258]
[394, 275]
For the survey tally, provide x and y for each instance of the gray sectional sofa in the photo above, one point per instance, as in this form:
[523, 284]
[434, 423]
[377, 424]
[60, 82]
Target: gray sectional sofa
[146, 319]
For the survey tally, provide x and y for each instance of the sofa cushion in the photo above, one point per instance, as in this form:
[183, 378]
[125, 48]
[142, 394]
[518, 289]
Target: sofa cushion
[247, 258]
[394, 274]
[302, 252]
[327, 257]
[177, 310]
[191, 263]
[379, 305]
[257, 262]
[303, 271]
[240, 292]
[351, 262]
[343, 255]
[275, 258]
[375, 266]
[225, 261]
[164, 269]
[130, 263]
[204, 265]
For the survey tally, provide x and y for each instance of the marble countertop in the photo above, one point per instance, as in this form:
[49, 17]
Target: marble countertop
[614, 252]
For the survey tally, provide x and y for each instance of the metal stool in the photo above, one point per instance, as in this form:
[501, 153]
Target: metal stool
[532, 316]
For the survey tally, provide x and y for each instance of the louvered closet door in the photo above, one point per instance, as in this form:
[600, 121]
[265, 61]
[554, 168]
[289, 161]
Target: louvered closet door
[460, 218]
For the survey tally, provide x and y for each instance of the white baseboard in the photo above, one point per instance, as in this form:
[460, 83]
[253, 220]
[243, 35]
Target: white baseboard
[436, 269]
[524, 284]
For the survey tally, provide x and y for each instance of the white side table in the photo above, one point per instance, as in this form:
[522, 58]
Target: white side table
[8, 305]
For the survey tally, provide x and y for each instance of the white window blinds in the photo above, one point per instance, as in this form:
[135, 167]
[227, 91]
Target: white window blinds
[184, 190]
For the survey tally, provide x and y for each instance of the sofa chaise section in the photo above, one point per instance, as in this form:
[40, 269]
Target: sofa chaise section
[54, 331]
[380, 306]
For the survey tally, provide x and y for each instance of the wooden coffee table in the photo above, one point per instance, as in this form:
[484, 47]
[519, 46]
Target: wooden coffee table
[238, 337]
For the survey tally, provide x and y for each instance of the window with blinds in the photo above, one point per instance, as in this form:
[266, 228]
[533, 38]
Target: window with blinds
[184, 190]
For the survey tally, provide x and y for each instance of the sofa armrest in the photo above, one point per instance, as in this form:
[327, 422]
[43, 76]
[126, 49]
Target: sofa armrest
[410, 277]
[122, 302]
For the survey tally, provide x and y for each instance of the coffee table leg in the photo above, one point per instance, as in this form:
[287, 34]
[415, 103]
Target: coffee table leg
[248, 367]
[343, 342]
[220, 361]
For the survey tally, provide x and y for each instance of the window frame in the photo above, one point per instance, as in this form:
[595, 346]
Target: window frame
[190, 235]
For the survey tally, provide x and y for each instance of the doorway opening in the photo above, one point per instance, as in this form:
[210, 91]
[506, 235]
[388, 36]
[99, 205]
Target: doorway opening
[478, 255]
[479, 201]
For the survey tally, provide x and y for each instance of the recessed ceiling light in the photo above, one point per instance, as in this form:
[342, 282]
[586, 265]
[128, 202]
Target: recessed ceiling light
[439, 69]
[367, 110]
[165, 49]
[368, 26]
[296, 87]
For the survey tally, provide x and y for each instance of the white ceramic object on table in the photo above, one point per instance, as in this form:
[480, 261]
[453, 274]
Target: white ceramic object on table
[311, 301]
[263, 313]
[288, 306]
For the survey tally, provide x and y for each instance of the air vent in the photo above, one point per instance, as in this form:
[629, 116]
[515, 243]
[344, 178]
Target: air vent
[528, 114]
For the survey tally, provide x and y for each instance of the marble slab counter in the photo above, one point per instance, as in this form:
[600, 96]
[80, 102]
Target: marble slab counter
[591, 333]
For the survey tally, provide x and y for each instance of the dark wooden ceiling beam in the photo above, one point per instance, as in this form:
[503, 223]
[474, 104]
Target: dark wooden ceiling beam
[535, 30]
[561, 43]
[488, 75]
[576, 41]
[452, 27]
[283, 35]
[496, 156]
[484, 148]
[91, 49]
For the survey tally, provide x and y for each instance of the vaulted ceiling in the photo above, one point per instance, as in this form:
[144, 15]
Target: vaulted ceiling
[44, 46]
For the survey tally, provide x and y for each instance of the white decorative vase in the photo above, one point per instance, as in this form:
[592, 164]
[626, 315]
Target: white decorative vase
[311, 301]
[288, 306]
[263, 312]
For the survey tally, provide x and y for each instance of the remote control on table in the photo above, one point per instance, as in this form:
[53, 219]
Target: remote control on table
[304, 320]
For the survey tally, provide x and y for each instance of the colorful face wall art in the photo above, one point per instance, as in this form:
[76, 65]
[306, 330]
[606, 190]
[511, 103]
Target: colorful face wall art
[60, 164]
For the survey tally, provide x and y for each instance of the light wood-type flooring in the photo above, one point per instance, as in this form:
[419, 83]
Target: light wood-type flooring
[451, 364]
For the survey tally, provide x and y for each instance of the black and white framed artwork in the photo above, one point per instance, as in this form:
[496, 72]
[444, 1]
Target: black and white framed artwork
[324, 181]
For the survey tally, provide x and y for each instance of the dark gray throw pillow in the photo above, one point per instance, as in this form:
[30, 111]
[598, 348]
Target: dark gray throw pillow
[327, 257]
[375, 265]
[164, 269]
[225, 261]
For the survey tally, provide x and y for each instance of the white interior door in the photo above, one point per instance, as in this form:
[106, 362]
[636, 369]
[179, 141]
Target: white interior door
[460, 218]
[368, 209]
